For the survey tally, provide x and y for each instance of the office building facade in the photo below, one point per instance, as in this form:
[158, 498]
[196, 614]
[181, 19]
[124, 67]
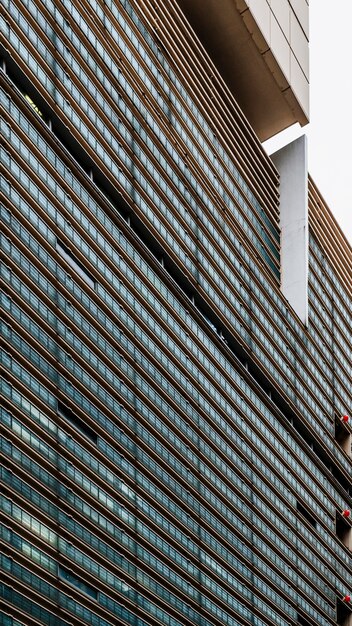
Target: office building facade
[175, 382]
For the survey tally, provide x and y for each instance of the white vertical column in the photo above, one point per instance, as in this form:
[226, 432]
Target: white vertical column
[291, 161]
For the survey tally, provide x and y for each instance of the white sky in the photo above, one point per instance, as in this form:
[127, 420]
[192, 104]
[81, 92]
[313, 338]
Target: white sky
[330, 129]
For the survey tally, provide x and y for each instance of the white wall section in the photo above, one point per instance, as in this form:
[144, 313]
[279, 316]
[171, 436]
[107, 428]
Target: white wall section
[291, 161]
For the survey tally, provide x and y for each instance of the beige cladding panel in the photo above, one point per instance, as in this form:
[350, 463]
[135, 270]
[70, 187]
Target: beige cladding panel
[281, 10]
[280, 47]
[287, 38]
[301, 10]
[260, 10]
[299, 44]
[298, 83]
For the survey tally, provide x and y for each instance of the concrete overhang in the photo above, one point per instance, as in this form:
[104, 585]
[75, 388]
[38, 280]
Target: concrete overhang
[235, 42]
